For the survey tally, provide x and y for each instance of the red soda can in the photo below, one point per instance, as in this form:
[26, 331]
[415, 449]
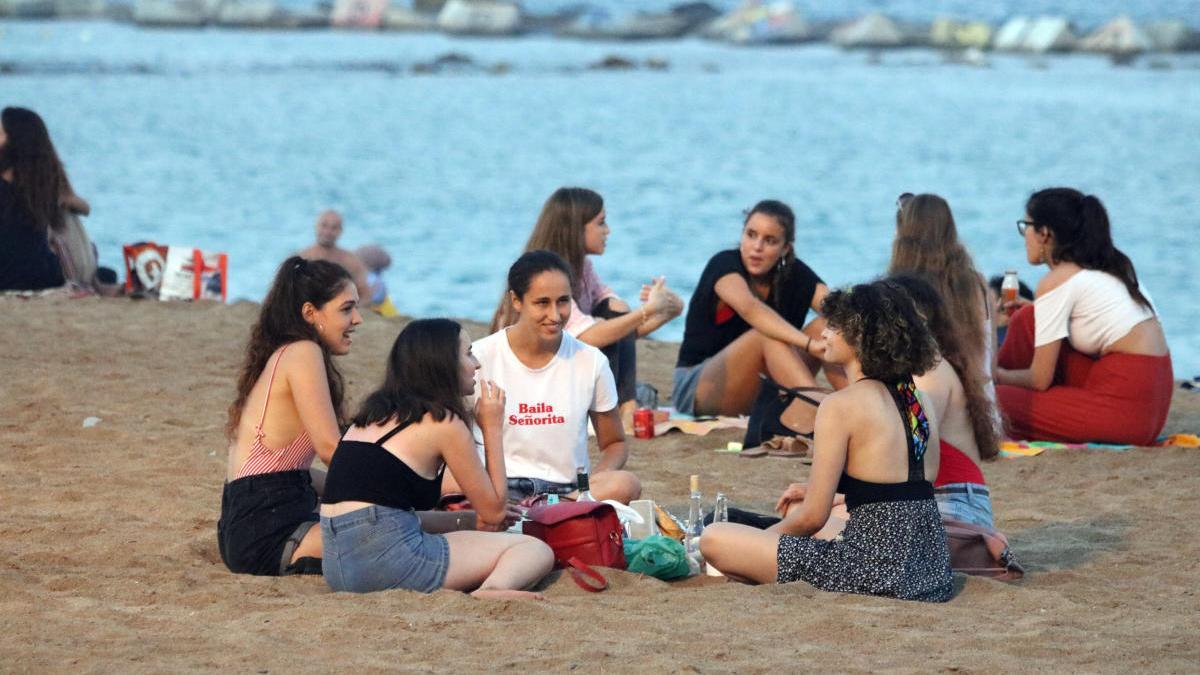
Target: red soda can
[643, 423]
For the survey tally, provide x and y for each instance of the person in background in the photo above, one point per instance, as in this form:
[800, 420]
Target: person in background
[35, 199]
[877, 443]
[376, 261]
[965, 415]
[574, 225]
[1088, 359]
[329, 230]
[390, 463]
[927, 243]
[288, 410]
[554, 384]
[746, 317]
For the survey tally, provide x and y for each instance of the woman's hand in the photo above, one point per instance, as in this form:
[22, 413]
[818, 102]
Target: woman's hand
[489, 407]
[658, 299]
[795, 493]
[816, 348]
[1013, 305]
[512, 514]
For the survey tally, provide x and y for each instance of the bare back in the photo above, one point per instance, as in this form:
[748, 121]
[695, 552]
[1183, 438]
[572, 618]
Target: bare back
[943, 391]
[877, 448]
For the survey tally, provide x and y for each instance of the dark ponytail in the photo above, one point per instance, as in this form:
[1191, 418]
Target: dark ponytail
[1082, 235]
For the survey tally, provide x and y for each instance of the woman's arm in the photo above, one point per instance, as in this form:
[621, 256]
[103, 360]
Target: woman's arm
[831, 439]
[74, 202]
[610, 436]
[1040, 375]
[607, 331]
[736, 293]
[486, 487]
[305, 372]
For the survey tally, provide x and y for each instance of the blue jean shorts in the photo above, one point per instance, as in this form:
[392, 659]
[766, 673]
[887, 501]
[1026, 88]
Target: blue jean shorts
[966, 502]
[378, 548]
[683, 395]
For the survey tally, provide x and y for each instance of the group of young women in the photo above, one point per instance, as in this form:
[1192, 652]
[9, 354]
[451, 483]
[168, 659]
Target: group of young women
[899, 445]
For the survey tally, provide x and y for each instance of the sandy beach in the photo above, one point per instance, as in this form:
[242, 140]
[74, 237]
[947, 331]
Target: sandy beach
[111, 560]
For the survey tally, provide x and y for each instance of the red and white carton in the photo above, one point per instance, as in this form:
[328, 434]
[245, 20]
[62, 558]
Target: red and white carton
[193, 274]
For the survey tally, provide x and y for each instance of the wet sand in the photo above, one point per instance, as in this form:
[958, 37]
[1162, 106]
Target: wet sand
[111, 560]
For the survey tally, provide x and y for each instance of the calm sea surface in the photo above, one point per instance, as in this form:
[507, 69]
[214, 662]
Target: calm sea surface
[235, 140]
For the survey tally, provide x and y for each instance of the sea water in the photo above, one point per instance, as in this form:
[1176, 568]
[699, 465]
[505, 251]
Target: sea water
[234, 141]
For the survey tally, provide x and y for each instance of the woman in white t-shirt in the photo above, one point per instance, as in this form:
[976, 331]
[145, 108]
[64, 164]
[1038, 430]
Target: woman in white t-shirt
[554, 385]
[1088, 361]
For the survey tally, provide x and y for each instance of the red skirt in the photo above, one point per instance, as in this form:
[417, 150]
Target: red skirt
[1117, 398]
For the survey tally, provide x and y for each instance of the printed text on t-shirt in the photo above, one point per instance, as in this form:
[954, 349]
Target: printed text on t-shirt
[535, 414]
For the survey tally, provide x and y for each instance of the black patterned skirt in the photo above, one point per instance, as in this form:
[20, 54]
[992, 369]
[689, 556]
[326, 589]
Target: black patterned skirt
[889, 549]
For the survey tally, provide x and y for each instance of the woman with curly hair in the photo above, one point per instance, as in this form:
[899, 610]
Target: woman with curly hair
[965, 415]
[1088, 361]
[927, 244]
[294, 394]
[876, 442]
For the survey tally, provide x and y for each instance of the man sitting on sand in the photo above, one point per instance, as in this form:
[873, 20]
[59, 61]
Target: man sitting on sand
[329, 229]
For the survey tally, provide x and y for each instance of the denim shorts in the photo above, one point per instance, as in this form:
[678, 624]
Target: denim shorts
[683, 396]
[378, 548]
[520, 488]
[966, 502]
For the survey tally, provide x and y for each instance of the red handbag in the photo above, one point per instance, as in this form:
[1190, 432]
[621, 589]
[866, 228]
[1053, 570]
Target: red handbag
[587, 531]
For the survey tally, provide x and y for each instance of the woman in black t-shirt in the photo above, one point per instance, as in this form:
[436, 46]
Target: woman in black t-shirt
[744, 318]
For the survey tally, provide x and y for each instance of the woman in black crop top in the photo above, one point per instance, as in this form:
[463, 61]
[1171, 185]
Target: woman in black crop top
[747, 316]
[874, 443]
[390, 464]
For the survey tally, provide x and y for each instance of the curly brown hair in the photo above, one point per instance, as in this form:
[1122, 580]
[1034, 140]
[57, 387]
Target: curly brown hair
[879, 321]
[952, 344]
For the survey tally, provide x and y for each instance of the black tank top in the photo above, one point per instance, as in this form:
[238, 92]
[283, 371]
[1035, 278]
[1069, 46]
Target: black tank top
[367, 472]
[916, 427]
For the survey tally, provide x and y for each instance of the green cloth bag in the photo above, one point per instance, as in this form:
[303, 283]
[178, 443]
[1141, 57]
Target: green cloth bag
[657, 556]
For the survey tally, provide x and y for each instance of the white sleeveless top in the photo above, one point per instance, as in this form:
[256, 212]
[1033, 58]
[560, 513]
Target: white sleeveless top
[1092, 309]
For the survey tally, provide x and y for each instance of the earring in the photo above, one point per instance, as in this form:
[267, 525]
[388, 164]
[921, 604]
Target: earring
[1043, 254]
[321, 327]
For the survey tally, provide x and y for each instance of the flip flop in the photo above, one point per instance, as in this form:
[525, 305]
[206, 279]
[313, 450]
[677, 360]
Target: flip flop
[757, 451]
[793, 447]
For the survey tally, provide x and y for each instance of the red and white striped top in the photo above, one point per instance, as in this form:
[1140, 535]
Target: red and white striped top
[297, 455]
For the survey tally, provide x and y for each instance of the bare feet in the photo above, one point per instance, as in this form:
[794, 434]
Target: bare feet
[497, 594]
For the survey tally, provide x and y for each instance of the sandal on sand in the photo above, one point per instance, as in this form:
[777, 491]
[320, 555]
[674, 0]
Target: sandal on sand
[795, 447]
[758, 451]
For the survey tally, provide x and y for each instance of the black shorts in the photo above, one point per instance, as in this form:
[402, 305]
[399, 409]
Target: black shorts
[263, 519]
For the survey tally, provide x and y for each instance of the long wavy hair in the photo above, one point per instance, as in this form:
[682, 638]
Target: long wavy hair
[39, 179]
[783, 214]
[422, 377]
[927, 244]
[559, 229]
[1082, 234]
[280, 322]
[953, 348]
[881, 323]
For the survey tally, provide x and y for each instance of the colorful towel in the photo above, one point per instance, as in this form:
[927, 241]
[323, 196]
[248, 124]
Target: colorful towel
[1012, 449]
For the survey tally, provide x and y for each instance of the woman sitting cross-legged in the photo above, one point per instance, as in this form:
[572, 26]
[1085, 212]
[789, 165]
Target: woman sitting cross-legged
[875, 444]
[390, 464]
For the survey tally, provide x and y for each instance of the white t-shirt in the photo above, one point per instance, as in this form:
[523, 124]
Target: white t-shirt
[546, 410]
[1092, 309]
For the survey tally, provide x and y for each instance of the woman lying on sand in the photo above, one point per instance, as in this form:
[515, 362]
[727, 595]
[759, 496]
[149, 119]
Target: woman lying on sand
[1088, 361]
[390, 463]
[965, 415]
[573, 224]
[876, 444]
[294, 395]
[742, 320]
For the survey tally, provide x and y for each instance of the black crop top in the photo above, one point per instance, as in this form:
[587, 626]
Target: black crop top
[367, 472]
[916, 426]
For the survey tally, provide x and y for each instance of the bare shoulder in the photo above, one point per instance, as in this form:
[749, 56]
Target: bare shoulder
[301, 354]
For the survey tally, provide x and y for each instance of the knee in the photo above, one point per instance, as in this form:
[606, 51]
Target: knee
[541, 554]
[621, 486]
[713, 542]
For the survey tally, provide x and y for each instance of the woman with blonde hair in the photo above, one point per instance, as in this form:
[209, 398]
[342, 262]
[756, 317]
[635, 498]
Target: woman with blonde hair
[573, 224]
[927, 244]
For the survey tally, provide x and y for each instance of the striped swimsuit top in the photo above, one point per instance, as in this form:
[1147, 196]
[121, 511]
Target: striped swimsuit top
[295, 456]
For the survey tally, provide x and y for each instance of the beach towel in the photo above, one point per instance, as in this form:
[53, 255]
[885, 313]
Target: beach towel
[1012, 449]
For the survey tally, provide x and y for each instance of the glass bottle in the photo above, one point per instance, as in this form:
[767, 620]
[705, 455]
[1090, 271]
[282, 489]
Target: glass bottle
[1010, 286]
[721, 509]
[585, 489]
[694, 526]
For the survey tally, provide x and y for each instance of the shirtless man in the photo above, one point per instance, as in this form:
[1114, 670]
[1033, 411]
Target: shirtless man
[329, 228]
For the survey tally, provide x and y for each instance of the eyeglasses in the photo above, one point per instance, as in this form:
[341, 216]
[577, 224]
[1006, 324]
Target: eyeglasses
[1022, 224]
[903, 199]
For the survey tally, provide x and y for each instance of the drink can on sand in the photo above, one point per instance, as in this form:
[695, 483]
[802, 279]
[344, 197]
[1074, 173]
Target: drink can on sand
[643, 423]
[1010, 286]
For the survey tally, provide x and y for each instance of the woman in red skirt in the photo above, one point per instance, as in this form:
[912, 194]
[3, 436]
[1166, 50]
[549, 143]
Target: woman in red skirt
[1088, 360]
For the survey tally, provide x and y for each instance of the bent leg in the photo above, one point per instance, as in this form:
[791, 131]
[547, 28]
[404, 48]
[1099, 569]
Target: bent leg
[620, 486]
[742, 552]
[496, 561]
[310, 545]
[729, 382]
